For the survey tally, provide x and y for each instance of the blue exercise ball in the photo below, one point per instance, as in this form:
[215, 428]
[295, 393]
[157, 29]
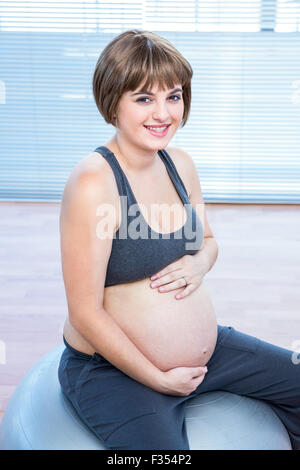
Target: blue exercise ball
[39, 417]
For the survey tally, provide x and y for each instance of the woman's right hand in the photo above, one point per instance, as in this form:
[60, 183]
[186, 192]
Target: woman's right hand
[181, 380]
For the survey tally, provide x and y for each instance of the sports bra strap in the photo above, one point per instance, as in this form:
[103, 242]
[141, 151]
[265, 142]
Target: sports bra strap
[115, 166]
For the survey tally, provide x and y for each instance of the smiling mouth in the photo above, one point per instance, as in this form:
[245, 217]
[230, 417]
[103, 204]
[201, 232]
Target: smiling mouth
[158, 128]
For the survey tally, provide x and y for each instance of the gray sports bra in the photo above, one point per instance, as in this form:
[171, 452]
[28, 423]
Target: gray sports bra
[138, 251]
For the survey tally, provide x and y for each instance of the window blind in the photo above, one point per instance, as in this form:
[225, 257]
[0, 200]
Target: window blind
[244, 128]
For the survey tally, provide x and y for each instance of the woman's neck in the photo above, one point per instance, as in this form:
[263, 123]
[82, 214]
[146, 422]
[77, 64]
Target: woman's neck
[134, 160]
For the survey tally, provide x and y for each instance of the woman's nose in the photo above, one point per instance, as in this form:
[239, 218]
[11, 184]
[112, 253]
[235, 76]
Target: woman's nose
[161, 112]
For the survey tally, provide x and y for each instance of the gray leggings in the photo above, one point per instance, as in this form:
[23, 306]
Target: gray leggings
[125, 414]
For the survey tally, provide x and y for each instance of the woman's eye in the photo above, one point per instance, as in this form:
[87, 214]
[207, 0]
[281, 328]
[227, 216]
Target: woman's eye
[142, 100]
[172, 98]
[175, 96]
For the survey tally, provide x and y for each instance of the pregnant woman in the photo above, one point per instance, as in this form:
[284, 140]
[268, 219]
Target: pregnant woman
[141, 335]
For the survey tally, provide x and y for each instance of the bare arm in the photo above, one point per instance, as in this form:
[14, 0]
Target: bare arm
[111, 342]
[85, 256]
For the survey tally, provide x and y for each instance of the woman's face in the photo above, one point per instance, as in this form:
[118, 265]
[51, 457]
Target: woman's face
[148, 119]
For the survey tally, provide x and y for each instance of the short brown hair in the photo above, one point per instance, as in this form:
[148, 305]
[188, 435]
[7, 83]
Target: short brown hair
[133, 57]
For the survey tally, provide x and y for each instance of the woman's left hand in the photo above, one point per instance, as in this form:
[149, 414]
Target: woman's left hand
[183, 272]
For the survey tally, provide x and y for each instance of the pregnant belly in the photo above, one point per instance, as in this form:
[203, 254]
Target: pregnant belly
[169, 332]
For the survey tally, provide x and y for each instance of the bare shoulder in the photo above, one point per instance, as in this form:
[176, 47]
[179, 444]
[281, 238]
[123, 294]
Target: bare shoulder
[90, 180]
[94, 172]
[184, 165]
[93, 166]
[187, 169]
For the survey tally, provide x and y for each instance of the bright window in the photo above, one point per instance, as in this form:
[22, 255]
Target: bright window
[244, 128]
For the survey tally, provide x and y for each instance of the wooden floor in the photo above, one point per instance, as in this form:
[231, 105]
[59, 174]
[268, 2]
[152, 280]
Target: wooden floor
[254, 284]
